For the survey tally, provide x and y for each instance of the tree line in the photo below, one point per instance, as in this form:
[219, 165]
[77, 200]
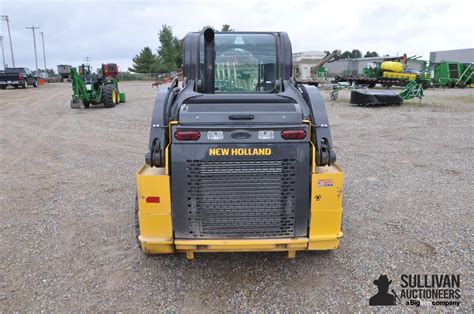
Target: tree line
[355, 54]
[168, 56]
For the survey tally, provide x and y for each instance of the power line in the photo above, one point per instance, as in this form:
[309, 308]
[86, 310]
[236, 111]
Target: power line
[6, 19]
[34, 44]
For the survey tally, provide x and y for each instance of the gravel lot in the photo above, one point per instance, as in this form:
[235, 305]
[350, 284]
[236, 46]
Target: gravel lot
[67, 198]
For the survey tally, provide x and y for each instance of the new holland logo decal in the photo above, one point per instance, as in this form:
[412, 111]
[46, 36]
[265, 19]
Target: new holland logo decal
[240, 151]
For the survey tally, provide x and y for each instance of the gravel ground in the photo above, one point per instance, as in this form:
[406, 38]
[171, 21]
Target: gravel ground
[67, 198]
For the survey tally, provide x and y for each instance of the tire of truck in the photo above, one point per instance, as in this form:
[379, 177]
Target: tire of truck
[111, 96]
[25, 84]
[3, 87]
[35, 83]
[371, 85]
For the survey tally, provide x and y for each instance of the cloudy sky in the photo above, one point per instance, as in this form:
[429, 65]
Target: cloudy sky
[115, 31]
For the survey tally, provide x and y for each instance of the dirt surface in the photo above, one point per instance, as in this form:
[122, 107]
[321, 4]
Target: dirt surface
[67, 198]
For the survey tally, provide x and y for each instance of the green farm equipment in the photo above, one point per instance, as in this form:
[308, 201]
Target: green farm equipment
[412, 90]
[453, 74]
[392, 72]
[366, 97]
[92, 89]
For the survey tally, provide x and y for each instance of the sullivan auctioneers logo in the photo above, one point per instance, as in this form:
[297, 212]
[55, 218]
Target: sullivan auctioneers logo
[419, 290]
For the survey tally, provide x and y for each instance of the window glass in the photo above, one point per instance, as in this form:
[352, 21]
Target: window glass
[244, 62]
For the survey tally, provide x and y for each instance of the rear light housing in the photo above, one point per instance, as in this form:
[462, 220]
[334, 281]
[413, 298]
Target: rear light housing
[20, 76]
[187, 135]
[293, 134]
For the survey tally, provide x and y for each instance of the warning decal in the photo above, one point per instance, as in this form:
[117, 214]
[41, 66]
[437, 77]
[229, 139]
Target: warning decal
[325, 183]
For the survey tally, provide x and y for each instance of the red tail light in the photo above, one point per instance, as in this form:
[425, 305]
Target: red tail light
[187, 135]
[153, 199]
[20, 76]
[293, 134]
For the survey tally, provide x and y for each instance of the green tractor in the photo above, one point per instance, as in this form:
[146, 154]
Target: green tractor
[93, 89]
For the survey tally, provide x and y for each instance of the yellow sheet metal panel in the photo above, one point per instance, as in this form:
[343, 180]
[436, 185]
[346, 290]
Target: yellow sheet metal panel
[400, 76]
[154, 205]
[392, 66]
[326, 223]
[323, 245]
[155, 226]
[326, 208]
[153, 183]
[326, 188]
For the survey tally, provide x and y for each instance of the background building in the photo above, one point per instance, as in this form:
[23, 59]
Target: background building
[457, 55]
[303, 61]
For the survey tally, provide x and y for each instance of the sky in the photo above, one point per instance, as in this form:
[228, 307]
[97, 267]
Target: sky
[115, 31]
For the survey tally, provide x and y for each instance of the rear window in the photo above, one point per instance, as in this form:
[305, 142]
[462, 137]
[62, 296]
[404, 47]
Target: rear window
[244, 62]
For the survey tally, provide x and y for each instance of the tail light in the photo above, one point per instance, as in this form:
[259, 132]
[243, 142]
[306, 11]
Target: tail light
[153, 199]
[293, 134]
[187, 135]
[20, 76]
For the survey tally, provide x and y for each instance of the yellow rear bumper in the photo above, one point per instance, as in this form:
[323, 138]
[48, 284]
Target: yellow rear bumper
[156, 230]
[290, 245]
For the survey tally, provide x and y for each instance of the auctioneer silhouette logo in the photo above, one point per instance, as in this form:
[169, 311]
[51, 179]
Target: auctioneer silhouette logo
[383, 297]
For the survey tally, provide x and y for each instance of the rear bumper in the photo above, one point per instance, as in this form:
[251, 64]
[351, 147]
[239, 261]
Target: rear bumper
[11, 82]
[290, 245]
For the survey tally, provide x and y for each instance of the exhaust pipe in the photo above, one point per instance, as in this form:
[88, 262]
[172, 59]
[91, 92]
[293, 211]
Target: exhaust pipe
[209, 56]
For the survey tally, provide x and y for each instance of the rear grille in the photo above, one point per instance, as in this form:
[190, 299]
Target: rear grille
[241, 198]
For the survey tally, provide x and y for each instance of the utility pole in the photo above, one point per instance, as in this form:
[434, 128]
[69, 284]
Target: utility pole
[5, 18]
[34, 45]
[44, 53]
[87, 60]
[3, 53]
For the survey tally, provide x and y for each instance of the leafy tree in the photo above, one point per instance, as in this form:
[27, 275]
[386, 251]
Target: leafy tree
[346, 55]
[355, 54]
[179, 46]
[144, 62]
[206, 27]
[50, 72]
[169, 51]
[371, 54]
[226, 28]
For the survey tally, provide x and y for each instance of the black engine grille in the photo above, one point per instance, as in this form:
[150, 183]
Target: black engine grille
[241, 198]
